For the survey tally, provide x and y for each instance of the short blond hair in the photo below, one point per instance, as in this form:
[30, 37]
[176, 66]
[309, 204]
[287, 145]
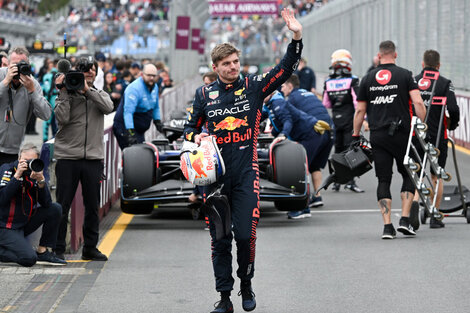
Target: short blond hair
[222, 51]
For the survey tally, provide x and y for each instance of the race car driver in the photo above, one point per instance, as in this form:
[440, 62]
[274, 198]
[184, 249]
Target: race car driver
[231, 110]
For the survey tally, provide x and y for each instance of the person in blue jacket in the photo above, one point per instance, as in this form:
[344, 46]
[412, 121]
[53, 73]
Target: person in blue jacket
[312, 132]
[137, 109]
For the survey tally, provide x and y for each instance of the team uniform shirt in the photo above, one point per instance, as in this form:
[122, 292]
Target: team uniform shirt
[444, 88]
[386, 91]
[308, 102]
[307, 78]
[340, 95]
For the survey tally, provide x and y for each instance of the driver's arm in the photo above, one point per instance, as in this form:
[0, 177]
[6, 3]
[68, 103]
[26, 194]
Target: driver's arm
[196, 117]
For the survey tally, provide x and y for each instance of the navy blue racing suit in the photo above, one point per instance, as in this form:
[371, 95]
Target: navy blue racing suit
[232, 112]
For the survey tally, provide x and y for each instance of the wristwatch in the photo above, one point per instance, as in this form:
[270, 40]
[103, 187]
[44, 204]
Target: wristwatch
[42, 182]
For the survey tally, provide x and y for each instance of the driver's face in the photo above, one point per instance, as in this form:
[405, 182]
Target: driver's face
[228, 68]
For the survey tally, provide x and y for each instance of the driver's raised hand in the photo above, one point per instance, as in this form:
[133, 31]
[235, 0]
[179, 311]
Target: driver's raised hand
[292, 23]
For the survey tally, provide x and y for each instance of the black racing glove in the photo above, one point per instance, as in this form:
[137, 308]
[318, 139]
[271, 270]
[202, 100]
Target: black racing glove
[158, 124]
[131, 137]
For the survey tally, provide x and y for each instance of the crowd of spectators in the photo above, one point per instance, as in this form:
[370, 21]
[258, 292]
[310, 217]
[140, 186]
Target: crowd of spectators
[20, 7]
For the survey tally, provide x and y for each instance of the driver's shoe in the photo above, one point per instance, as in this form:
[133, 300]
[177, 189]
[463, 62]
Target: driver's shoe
[223, 306]
[248, 296]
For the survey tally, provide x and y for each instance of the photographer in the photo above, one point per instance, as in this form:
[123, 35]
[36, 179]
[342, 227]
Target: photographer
[79, 153]
[21, 190]
[20, 97]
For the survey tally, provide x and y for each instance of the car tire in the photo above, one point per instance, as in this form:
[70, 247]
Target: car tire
[290, 170]
[138, 173]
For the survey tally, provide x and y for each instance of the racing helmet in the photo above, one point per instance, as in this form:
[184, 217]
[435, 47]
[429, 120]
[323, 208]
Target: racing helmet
[341, 57]
[202, 165]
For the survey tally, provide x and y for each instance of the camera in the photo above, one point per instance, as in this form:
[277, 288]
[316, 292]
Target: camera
[23, 68]
[34, 165]
[74, 79]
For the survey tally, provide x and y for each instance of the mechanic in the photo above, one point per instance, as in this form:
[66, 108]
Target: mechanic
[340, 94]
[444, 88]
[311, 132]
[387, 94]
[26, 205]
[137, 109]
[20, 97]
[306, 76]
[231, 109]
[308, 102]
[79, 152]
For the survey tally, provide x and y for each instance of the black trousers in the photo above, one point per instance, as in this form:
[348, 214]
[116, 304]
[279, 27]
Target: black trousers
[69, 173]
[15, 248]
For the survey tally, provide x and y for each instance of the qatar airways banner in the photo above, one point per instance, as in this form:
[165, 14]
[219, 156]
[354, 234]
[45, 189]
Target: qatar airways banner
[182, 32]
[223, 8]
[195, 38]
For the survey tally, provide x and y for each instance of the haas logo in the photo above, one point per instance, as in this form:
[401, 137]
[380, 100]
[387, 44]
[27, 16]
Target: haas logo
[383, 77]
[424, 83]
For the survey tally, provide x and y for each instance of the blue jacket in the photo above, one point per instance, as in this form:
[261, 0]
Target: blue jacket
[307, 102]
[286, 119]
[138, 99]
[18, 204]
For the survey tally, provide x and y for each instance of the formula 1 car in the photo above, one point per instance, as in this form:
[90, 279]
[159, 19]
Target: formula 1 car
[151, 173]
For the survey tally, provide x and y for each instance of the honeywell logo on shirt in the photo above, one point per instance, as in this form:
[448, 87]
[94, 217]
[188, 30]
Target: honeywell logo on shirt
[383, 99]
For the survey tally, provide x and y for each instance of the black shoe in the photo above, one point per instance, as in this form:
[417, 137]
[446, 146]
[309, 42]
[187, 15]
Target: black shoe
[405, 227]
[93, 254]
[49, 258]
[434, 223]
[389, 232]
[353, 187]
[414, 215]
[60, 254]
[248, 297]
[223, 306]
[336, 187]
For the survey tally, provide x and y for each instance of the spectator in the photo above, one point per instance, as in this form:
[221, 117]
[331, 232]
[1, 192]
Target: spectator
[165, 81]
[139, 107]
[99, 81]
[306, 76]
[375, 63]
[79, 152]
[110, 88]
[50, 92]
[209, 77]
[135, 70]
[26, 205]
[245, 71]
[19, 95]
[4, 59]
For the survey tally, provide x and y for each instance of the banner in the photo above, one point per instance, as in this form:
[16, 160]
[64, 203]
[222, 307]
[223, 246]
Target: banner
[202, 43]
[195, 38]
[182, 32]
[223, 8]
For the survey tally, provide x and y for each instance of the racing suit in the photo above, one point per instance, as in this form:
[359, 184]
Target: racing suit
[444, 88]
[232, 112]
[340, 95]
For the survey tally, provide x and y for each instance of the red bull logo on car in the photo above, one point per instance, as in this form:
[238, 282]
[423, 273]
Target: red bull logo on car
[230, 123]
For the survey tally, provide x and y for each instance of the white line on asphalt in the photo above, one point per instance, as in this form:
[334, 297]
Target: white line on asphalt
[349, 211]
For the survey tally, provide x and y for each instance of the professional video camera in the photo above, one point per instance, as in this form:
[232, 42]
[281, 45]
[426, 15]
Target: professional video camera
[74, 79]
[23, 68]
[34, 165]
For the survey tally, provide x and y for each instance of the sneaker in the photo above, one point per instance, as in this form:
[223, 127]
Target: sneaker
[93, 254]
[353, 187]
[223, 306]
[414, 215]
[315, 202]
[405, 227]
[435, 223]
[389, 232]
[49, 258]
[248, 297]
[299, 214]
[336, 187]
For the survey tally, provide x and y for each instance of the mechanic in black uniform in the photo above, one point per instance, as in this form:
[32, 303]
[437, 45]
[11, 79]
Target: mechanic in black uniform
[444, 88]
[387, 94]
[231, 110]
[340, 95]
